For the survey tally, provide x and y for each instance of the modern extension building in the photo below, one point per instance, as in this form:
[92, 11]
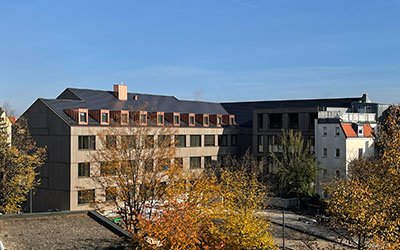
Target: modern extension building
[69, 126]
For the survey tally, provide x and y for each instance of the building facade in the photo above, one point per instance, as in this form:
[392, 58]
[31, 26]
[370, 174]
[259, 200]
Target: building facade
[69, 126]
[5, 125]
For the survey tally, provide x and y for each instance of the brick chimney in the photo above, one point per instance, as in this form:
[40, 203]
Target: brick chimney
[121, 91]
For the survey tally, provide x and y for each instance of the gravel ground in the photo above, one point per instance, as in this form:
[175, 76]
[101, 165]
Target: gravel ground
[61, 231]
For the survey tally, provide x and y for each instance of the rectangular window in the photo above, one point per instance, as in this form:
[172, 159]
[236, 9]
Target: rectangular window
[195, 162]
[124, 119]
[207, 161]
[206, 120]
[294, 121]
[108, 168]
[128, 141]
[260, 121]
[176, 119]
[195, 140]
[232, 121]
[325, 152]
[83, 169]
[160, 119]
[179, 161]
[149, 141]
[111, 193]
[104, 117]
[86, 196]
[337, 152]
[260, 143]
[87, 142]
[222, 140]
[324, 131]
[143, 119]
[191, 120]
[219, 120]
[209, 140]
[337, 131]
[275, 121]
[233, 140]
[360, 153]
[111, 141]
[164, 141]
[180, 141]
[82, 117]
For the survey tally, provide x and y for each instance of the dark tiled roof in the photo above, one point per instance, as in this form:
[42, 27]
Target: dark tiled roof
[97, 99]
[244, 110]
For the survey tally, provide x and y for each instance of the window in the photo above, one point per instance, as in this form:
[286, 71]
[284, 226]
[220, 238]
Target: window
[360, 130]
[275, 121]
[87, 142]
[111, 193]
[108, 168]
[233, 140]
[179, 161]
[324, 131]
[260, 121]
[368, 109]
[222, 140]
[128, 141]
[164, 141]
[337, 153]
[360, 153]
[124, 119]
[85, 196]
[337, 174]
[206, 121]
[83, 117]
[176, 119]
[195, 162]
[104, 117]
[195, 140]
[148, 165]
[160, 119]
[337, 129]
[83, 169]
[209, 140]
[180, 141]
[325, 152]
[260, 143]
[149, 141]
[111, 141]
[191, 120]
[232, 121]
[294, 121]
[143, 119]
[219, 120]
[207, 161]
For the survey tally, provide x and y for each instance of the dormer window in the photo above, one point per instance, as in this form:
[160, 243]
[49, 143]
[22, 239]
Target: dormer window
[191, 120]
[232, 120]
[143, 118]
[360, 130]
[160, 119]
[206, 121]
[176, 120]
[104, 118]
[124, 118]
[82, 117]
[219, 120]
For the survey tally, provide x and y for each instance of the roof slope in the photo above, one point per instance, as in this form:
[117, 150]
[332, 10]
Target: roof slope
[350, 130]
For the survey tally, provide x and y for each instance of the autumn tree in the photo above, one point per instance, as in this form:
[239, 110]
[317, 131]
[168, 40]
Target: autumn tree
[367, 204]
[296, 166]
[18, 163]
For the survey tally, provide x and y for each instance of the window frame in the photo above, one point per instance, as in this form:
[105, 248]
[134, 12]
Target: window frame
[91, 142]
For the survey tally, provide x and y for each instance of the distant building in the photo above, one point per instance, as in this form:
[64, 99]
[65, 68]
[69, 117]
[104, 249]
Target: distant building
[6, 124]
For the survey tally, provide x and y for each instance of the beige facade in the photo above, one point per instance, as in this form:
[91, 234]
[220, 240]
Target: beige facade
[5, 125]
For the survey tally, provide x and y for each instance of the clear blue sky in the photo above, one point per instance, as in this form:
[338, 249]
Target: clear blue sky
[216, 50]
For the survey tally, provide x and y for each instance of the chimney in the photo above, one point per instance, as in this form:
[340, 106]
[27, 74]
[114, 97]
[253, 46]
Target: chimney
[121, 91]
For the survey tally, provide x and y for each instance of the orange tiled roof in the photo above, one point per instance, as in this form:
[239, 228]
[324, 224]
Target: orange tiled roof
[368, 131]
[12, 119]
[349, 131]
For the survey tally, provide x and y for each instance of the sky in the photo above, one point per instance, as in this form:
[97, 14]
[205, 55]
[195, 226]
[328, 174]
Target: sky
[210, 50]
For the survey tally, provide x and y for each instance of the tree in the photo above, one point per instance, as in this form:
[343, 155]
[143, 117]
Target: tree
[18, 163]
[367, 204]
[296, 166]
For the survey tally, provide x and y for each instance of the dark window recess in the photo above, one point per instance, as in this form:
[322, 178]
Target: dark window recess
[128, 141]
[164, 141]
[180, 141]
[222, 140]
[86, 196]
[233, 140]
[209, 140]
[260, 121]
[294, 121]
[195, 140]
[207, 161]
[160, 119]
[82, 116]
[111, 141]
[179, 162]
[84, 169]
[195, 162]
[124, 118]
[104, 117]
[87, 142]
[312, 117]
[275, 121]
[176, 119]
[149, 141]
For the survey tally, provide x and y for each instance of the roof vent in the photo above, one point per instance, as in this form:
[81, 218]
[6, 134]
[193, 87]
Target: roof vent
[135, 97]
[121, 91]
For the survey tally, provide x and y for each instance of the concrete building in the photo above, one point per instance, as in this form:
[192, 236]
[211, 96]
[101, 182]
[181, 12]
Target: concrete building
[5, 125]
[69, 126]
